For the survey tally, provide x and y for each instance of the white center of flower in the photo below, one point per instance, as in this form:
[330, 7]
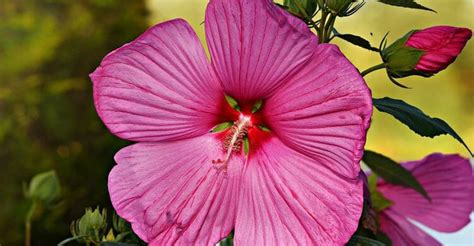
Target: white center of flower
[233, 140]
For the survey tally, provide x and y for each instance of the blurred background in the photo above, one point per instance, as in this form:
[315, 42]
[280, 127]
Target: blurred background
[48, 121]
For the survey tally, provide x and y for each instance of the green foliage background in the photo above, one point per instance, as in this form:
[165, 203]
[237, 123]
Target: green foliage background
[47, 118]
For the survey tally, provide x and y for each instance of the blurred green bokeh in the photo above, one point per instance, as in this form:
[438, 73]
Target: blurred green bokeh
[48, 121]
[47, 117]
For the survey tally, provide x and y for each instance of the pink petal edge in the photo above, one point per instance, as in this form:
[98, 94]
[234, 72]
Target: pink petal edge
[158, 87]
[448, 180]
[403, 232]
[324, 111]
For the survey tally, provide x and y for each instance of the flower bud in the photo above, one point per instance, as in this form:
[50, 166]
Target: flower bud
[342, 8]
[337, 6]
[91, 225]
[309, 7]
[425, 52]
[44, 187]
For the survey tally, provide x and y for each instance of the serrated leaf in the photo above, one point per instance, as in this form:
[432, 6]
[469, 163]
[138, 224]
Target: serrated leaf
[392, 172]
[416, 120]
[356, 40]
[357, 240]
[406, 4]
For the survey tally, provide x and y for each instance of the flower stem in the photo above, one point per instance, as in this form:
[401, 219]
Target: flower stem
[328, 28]
[371, 69]
[28, 219]
[324, 15]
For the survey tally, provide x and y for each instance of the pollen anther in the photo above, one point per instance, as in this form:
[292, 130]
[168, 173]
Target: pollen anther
[233, 140]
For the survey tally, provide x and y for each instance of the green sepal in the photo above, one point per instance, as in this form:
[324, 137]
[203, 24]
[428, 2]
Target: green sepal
[399, 57]
[257, 105]
[232, 102]
[246, 145]
[221, 127]
[264, 128]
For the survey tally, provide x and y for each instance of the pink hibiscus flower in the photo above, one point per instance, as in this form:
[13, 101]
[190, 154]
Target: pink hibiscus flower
[440, 44]
[185, 184]
[448, 180]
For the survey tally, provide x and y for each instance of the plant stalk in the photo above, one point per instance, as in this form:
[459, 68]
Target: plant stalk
[29, 217]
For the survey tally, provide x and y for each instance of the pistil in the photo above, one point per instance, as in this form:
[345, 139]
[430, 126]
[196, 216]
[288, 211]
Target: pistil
[233, 140]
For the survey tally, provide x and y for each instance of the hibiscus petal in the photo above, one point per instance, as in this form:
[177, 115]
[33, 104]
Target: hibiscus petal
[255, 45]
[289, 199]
[324, 111]
[449, 182]
[158, 87]
[171, 193]
[403, 232]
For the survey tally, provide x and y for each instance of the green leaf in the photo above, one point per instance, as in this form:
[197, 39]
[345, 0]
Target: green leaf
[232, 102]
[357, 240]
[416, 120]
[221, 127]
[392, 172]
[406, 4]
[356, 40]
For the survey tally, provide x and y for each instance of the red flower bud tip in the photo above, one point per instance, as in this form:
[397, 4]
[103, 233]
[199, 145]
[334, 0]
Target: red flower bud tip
[441, 44]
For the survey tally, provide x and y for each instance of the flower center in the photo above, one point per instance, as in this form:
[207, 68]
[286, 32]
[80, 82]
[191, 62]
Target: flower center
[233, 140]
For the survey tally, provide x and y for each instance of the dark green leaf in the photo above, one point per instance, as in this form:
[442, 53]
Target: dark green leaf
[415, 119]
[357, 240]
[356, 40]
[406, 4]
[392, 172]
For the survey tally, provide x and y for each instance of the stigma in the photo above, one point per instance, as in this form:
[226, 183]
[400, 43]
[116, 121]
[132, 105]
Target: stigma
[233, 140]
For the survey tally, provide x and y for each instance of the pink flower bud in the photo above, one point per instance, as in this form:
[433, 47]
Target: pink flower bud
[440, 44]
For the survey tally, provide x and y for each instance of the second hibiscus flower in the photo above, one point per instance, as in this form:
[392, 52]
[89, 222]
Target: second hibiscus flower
[298, 183]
